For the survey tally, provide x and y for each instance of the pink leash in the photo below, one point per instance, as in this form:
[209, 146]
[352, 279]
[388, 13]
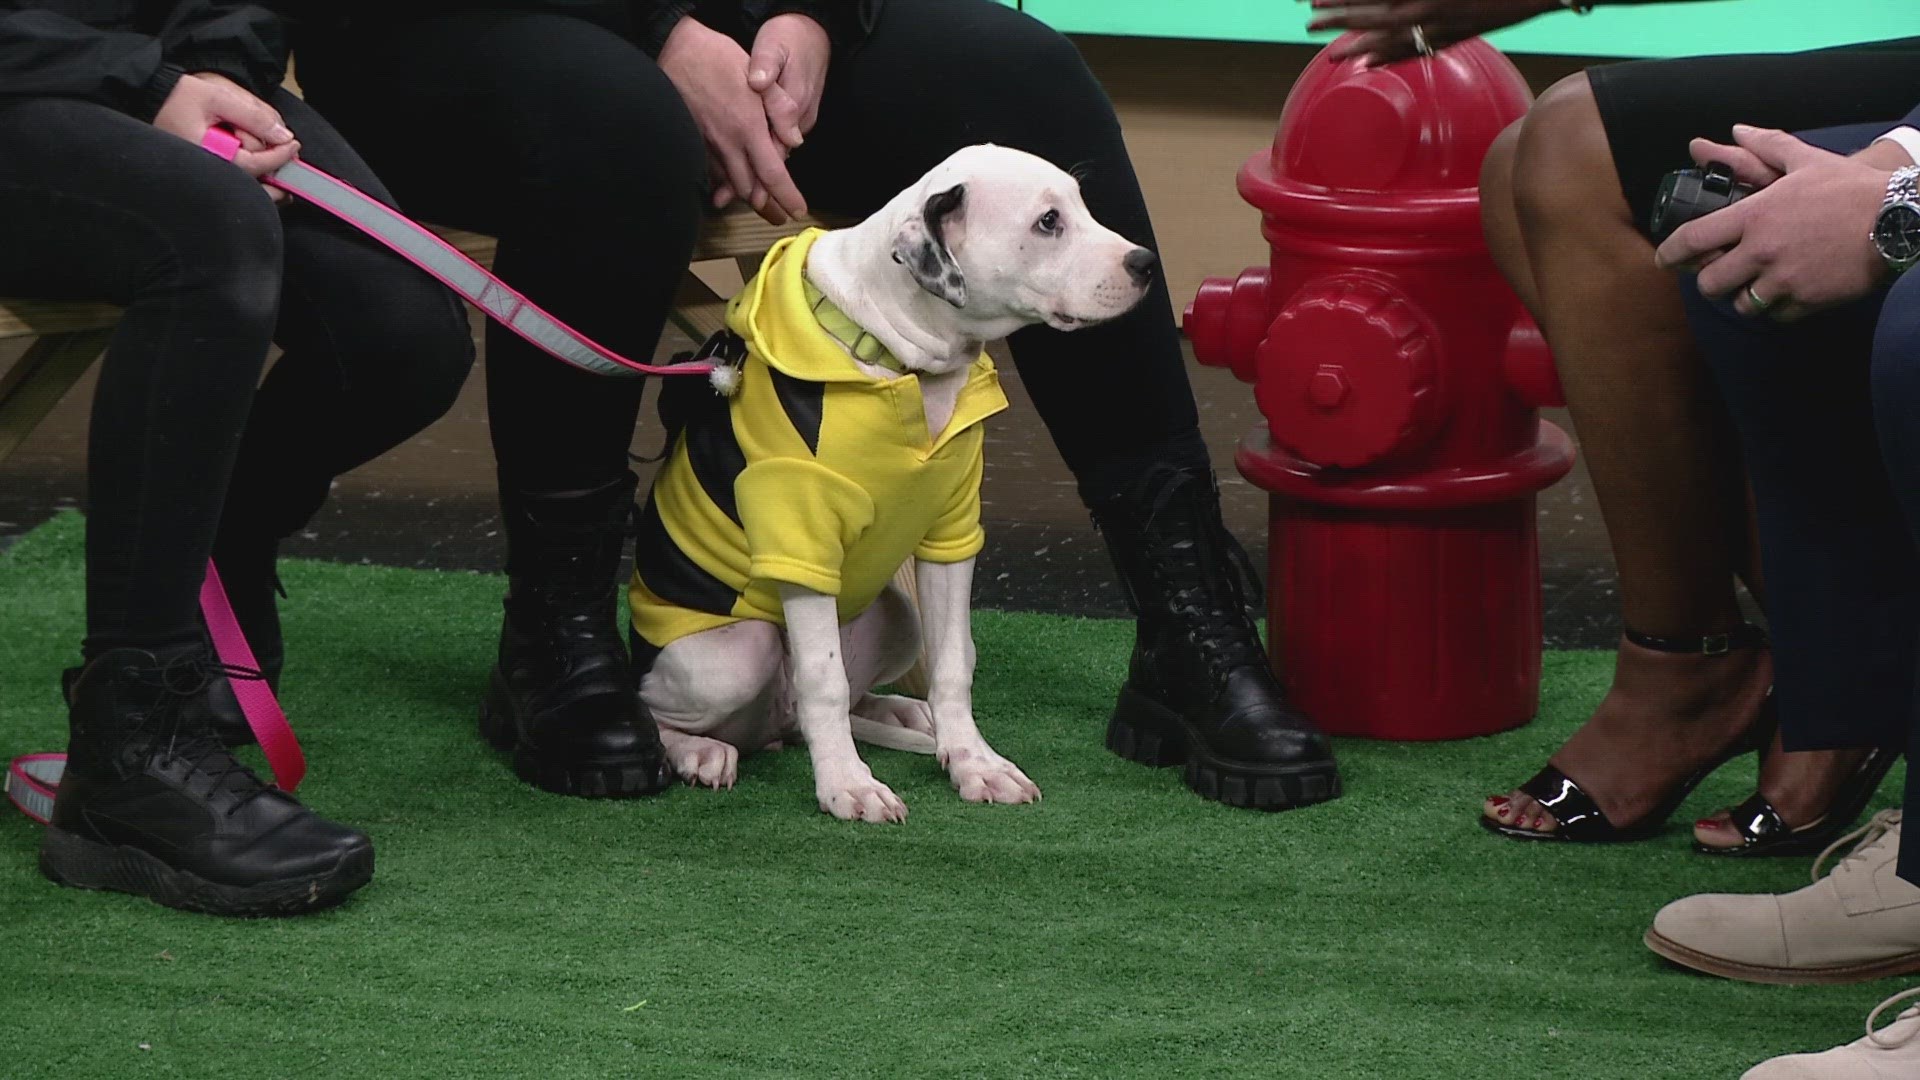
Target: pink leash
[33, 778]
[419, 246]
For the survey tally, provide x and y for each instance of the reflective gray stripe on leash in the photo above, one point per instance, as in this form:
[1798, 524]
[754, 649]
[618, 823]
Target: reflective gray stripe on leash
[419, 246]
[31, 781]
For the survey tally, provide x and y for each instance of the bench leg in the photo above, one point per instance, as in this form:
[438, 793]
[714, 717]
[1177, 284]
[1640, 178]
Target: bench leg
[36, 383]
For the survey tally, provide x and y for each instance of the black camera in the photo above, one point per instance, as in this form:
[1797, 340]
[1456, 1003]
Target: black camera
[1690, 193]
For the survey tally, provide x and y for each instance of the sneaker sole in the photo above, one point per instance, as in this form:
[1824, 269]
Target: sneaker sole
[79, 863]
[1673, 951]
[1142, 730]
[634, 778]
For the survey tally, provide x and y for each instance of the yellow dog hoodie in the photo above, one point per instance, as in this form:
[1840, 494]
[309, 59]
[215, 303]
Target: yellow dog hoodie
[813, 473]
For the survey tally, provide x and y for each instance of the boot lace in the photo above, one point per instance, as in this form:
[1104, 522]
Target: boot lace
[165, 729]
[1879, 1037]
[1210, 584]
[1861, 838]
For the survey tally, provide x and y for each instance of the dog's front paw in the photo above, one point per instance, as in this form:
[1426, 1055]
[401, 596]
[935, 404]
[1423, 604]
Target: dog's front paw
[857, 796]
[981, 775]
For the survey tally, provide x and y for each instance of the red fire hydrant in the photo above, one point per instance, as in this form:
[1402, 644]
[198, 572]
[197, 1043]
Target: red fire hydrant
[1400, 379]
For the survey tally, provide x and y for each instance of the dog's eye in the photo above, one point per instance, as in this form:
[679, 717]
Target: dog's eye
[1049, 223]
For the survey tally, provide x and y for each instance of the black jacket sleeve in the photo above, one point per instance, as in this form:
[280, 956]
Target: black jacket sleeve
[847, 22]
[44, 53]
[244, 42]
[653, 20]
[126, 65]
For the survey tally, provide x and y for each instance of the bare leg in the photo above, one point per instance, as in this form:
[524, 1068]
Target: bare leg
[1661, 455]
[1800, 785]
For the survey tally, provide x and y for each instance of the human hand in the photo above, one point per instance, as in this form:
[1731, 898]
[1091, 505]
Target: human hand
[788, 70]
[204, 99]
[1387, 25]
[710, 71]
[1799, 245]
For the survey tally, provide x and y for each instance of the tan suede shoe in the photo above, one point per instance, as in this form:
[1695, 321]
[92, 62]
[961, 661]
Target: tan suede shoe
[1860, 922]
[1892, 1053]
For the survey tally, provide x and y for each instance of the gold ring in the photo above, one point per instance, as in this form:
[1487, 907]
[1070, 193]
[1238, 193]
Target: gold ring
[1754, 299]
[1420, 44]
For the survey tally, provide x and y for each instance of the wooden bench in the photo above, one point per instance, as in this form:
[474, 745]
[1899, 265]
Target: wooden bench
[71, 336]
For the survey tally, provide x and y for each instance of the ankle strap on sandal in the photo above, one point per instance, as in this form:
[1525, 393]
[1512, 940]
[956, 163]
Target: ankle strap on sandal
[1746, 636]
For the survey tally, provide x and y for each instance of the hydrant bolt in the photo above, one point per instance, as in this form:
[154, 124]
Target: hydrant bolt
[1328, 389]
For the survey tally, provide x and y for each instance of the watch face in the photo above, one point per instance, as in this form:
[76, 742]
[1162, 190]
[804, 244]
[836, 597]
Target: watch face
[1897, 233]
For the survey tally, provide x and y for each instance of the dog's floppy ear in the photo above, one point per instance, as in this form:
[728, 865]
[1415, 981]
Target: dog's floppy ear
[921, 246]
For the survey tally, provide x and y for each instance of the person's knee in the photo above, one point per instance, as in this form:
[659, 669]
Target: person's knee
[1498, 215]
[1560, 152]
[1028, 62]
[221, 245]
[1496, 170]
[425, 351]
[1059, 74]
[1896, 342]
[620, 145]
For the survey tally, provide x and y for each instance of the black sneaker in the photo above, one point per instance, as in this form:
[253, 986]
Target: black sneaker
[153, 804]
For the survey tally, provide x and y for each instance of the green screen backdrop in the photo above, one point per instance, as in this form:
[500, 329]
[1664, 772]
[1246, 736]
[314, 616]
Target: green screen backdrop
[1678, 29]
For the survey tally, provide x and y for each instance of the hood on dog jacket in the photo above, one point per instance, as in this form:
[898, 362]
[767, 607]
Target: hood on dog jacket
[815, 473]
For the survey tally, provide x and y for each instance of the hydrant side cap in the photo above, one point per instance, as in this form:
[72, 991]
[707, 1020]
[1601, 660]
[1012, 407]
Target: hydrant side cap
[1349, 373]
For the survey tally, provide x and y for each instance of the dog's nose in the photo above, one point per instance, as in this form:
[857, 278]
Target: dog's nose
[1140, 263]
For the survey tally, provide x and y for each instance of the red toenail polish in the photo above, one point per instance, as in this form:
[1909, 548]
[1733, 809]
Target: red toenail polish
[1499, 800]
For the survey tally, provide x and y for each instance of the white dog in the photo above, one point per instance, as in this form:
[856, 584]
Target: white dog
[851, 446]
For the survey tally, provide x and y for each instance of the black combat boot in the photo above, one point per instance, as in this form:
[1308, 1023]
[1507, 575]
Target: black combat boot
[152, 804]
[562, 697]
[1199, 690]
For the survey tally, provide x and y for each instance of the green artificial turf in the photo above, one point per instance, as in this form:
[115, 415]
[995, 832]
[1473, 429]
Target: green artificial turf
[1121, 928]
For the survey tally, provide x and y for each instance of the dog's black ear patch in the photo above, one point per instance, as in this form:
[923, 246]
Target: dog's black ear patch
[940, 206]
[922, 248]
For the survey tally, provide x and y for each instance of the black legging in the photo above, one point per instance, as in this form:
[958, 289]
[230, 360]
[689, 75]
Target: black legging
[1828, 411]
[95, 205]
[568, 143]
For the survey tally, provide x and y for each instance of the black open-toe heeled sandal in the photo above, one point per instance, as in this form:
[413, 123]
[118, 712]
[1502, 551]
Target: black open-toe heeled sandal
[1579, 818]
[1763, 834]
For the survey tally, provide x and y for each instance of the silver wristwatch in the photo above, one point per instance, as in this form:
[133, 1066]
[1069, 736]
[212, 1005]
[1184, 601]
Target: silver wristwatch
[1896, 231]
